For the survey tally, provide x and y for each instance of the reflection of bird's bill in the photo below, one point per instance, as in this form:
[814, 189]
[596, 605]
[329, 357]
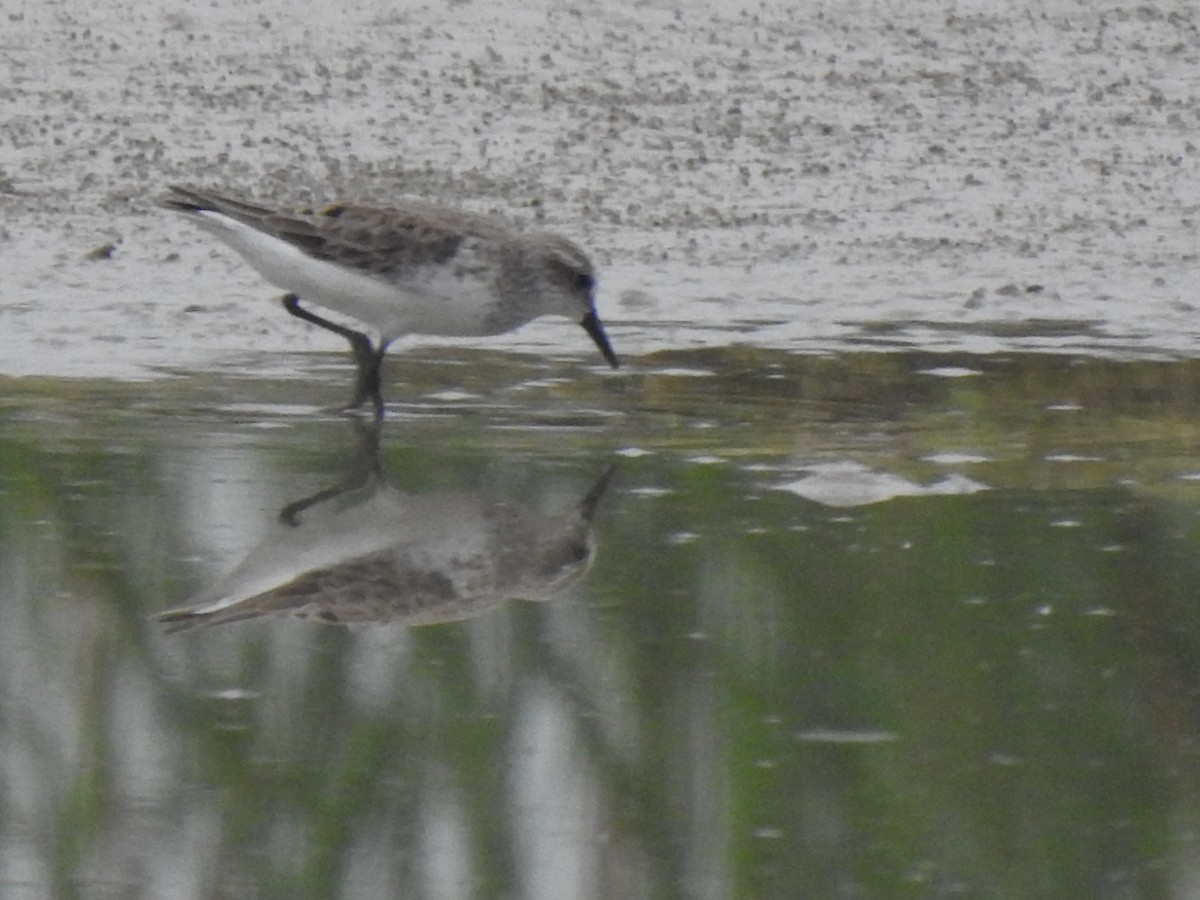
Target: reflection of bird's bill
[591, 324]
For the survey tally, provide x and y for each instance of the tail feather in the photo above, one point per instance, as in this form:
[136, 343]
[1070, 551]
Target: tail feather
[187, 618]
[192, 201]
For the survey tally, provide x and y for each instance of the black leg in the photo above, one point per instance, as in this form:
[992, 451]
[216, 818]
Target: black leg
[370, 363]
[367, 357]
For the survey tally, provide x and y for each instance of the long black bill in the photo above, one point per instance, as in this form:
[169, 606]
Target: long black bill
[595, 330]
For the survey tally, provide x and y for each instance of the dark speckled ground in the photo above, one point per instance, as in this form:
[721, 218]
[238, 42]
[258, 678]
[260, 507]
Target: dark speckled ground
[760, 174]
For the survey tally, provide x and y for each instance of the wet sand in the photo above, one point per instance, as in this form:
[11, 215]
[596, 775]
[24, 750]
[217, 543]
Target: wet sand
[835, 177]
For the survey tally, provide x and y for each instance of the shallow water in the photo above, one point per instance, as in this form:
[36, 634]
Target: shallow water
[875, 625]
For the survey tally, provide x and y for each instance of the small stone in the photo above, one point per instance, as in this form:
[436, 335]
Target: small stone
[104, 251]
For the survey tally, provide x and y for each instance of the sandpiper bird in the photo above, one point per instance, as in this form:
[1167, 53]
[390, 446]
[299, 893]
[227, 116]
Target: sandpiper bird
[413, 268]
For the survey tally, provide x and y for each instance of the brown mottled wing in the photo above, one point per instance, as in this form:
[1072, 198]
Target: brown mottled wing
[369, 239]
[372, 239]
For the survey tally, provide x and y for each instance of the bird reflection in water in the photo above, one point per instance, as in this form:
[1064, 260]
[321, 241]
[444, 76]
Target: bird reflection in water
[393, 557]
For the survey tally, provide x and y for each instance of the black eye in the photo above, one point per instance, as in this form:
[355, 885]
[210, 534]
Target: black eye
[585, 281]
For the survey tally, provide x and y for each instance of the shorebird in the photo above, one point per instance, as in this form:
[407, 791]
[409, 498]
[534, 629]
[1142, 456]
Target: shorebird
[412, 268]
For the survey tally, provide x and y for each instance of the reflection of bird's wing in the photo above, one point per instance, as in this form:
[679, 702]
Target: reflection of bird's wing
[379, 587]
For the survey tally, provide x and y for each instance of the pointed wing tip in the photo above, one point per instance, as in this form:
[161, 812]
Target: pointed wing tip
[182, 198]
[174, 621]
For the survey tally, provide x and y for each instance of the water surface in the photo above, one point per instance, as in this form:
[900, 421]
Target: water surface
[876, 625]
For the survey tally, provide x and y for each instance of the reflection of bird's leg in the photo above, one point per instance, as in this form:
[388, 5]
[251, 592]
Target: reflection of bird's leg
[366, 467]
[367, 358]
[588, 505]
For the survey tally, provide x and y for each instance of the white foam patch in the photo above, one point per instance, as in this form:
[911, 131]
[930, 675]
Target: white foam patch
[843, 484]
